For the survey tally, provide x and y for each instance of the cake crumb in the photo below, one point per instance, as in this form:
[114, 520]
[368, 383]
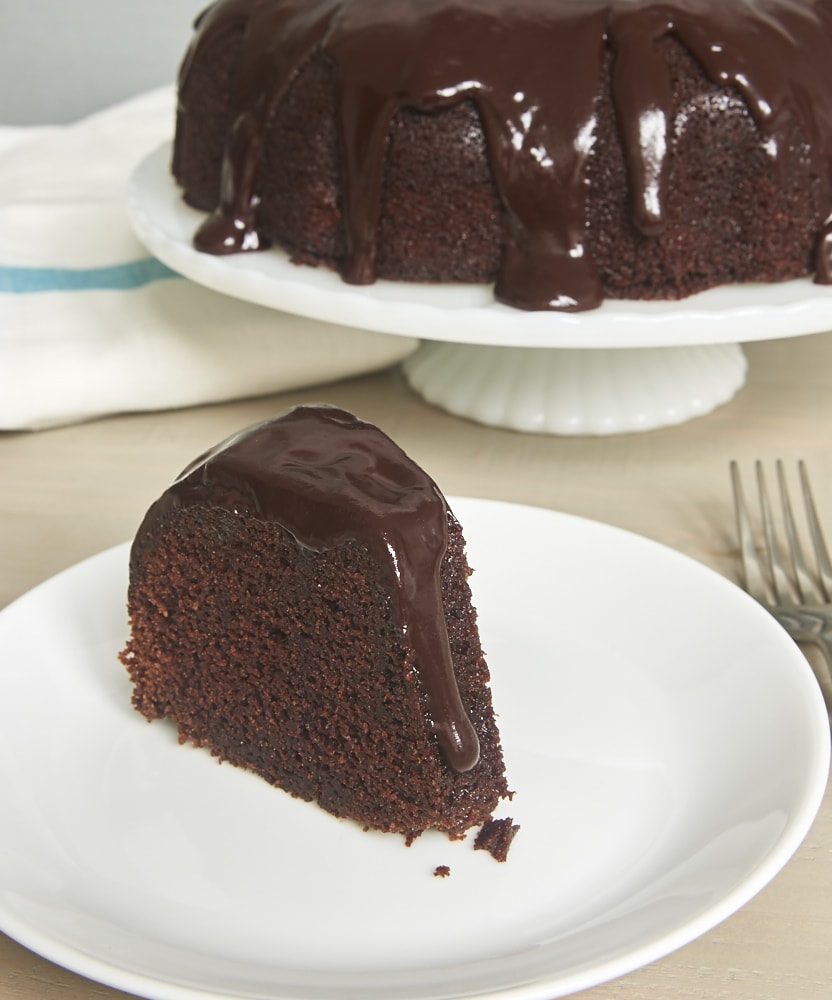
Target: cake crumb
[496, 836]
[441, 871]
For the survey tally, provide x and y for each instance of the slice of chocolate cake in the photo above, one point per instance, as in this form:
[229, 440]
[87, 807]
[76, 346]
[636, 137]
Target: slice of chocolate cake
[299, 605]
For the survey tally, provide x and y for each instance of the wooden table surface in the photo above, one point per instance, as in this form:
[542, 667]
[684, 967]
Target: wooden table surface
[68, 493]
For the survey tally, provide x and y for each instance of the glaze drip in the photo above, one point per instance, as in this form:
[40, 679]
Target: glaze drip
[536, 96]
[328, 478]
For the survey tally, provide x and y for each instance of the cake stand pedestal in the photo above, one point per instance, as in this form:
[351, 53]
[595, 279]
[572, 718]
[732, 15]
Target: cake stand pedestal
[575, 391]
[625, 367]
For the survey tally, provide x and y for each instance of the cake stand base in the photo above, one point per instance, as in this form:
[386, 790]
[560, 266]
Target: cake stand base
[569, 391]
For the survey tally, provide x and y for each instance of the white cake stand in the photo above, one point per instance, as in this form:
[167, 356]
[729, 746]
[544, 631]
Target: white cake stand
[627, 366]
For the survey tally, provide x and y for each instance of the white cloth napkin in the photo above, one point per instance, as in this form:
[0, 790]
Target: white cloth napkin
[91, 325]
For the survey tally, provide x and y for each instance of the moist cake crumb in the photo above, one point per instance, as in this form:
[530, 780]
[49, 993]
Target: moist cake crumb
[496, 836]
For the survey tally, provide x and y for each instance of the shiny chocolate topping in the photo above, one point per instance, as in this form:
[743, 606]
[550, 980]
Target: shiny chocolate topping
[327, 478]
[533, 69]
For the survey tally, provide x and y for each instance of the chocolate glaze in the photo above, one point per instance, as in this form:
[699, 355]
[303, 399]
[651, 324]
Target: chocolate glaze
[328, 478]
[534, 71]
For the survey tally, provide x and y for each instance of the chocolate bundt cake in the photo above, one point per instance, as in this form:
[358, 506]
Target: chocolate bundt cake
[299, 605]
[566, 150]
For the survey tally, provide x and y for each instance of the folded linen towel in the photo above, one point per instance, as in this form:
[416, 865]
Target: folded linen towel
[91, 325]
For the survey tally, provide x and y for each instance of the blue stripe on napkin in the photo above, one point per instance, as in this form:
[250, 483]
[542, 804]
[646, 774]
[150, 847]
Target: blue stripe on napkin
[118, 277]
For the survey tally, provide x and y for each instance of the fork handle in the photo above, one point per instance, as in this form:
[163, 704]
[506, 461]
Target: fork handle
[811, 625]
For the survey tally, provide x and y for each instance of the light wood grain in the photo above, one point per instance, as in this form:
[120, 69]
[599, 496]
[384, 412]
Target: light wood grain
[68, 493]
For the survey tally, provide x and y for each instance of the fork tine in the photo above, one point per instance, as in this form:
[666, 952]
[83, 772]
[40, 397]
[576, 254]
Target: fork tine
[803, 581]
[783, 591]
[824, 566]
[755, 582]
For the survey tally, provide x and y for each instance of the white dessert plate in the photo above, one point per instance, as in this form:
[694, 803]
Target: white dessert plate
[667, 742]
[461, 313]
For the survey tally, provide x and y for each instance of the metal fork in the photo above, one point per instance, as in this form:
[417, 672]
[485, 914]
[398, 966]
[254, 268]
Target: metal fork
[800, 598]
